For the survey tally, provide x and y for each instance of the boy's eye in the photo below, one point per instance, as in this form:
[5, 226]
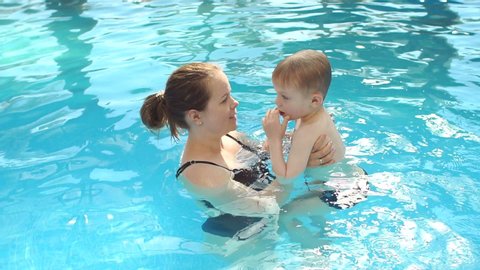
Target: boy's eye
[284, 97]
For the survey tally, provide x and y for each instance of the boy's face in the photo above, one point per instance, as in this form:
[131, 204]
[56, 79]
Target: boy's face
[295, 103]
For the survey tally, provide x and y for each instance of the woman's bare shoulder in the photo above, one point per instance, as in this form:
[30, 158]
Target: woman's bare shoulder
[237, 134]
[206, 177]
[246, 139]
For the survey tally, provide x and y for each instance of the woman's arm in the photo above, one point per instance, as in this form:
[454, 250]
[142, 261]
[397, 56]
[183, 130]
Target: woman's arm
[238, 199]
[214, 184]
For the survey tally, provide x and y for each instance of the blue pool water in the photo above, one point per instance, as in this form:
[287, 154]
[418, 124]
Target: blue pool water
[83, 185]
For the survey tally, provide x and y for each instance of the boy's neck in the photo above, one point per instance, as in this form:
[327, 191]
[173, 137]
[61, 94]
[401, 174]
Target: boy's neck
[313, 116]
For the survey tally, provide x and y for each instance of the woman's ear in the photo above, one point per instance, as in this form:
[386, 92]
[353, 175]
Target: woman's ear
[317, 100]
[194, 117]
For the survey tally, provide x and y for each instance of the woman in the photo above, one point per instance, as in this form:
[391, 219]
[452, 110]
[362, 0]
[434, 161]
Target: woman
[238, 193]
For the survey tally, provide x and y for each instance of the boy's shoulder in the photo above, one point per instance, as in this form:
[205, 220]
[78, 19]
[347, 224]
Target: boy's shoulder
[311, 130]
[319, 123]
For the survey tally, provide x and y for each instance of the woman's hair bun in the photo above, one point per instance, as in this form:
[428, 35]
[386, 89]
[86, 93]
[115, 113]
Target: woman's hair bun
[154, 111]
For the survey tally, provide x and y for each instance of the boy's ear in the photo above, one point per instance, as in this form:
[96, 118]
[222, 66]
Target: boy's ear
[317, 100]
[194, 117]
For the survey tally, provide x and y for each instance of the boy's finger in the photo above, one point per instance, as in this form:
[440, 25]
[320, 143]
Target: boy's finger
[285, 123]
[269, 113]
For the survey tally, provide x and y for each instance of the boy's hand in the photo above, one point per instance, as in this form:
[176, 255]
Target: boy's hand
[272, 126]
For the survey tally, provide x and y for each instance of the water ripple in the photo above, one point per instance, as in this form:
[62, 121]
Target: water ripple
[442, 128]
[32, 158]
[83, 177]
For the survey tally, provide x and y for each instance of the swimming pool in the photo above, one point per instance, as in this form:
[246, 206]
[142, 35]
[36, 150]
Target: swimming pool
[85, 186]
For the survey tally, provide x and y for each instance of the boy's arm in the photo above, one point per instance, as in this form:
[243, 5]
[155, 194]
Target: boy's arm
[275, 132]
[276, 156]
[300, 150]
[298, 157]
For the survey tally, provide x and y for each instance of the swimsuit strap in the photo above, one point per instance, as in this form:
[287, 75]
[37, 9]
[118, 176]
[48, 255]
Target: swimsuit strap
[244, 146]
[191, 162]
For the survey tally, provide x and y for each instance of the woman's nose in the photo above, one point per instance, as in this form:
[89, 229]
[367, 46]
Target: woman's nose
[235, 103]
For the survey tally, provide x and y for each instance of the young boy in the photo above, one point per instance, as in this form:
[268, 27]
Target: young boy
[301, 82]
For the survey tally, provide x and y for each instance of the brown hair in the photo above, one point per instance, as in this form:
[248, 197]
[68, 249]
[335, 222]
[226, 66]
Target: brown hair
[305, 70]
[186, 89]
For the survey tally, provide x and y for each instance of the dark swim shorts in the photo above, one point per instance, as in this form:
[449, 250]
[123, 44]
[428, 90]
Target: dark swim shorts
[236, 227]
[342, 199]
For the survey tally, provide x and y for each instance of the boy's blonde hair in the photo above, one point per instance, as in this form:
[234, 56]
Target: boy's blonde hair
[306, 70]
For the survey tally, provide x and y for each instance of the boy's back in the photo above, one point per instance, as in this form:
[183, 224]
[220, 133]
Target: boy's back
[324, 126]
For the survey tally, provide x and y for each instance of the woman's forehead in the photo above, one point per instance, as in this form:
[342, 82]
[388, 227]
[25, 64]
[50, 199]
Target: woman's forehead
[218, 80]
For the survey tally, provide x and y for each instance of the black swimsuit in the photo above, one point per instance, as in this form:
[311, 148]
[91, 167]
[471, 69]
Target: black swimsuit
[257, 177]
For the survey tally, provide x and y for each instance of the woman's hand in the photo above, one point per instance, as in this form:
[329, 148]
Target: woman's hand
[322, 152]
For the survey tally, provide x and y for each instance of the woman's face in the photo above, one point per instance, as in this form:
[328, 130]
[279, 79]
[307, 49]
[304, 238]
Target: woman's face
[220, 115]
